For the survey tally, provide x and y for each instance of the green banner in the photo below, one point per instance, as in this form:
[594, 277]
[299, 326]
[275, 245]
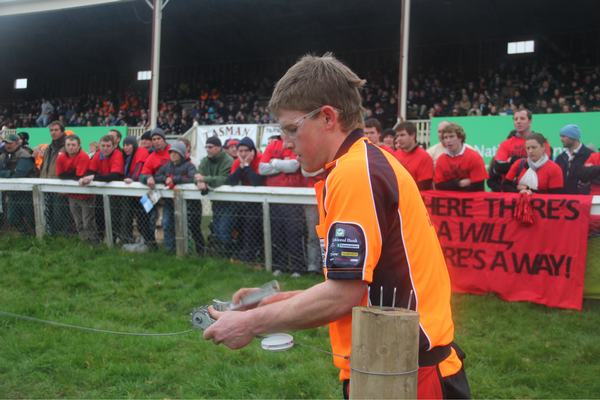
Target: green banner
[486, 133]
[87, 135]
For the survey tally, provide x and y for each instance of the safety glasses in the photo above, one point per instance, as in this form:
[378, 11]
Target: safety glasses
[291, 128]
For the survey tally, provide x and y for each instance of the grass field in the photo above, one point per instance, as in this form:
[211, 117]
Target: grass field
[514, 350]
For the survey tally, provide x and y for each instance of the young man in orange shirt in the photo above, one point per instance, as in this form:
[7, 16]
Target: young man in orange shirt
[366, 199]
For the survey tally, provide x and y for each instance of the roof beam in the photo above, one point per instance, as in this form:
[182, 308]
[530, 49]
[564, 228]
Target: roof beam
[14, 7]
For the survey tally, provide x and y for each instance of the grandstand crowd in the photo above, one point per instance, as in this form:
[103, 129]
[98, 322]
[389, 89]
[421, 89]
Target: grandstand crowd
[534, 85]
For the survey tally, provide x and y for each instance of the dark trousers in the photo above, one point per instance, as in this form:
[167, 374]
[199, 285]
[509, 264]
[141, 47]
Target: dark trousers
[194, 217]
[144, 223]
[58, 214]
[287, 227]
[19, 212]
[251, 231]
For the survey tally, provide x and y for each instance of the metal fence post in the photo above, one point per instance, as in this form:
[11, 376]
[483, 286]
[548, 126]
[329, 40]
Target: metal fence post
[108, 220]
[181, 232]
[267, 236]
[39, 207]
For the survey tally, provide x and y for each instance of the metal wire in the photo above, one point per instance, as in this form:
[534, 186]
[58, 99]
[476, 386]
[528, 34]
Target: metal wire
[323, 351]
[91, 329]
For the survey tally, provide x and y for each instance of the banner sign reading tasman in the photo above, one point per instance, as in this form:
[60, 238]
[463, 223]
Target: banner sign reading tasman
[224, 132]
[486, 250]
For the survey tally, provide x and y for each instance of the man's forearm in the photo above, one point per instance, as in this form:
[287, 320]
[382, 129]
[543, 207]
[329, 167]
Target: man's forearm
[316, 306]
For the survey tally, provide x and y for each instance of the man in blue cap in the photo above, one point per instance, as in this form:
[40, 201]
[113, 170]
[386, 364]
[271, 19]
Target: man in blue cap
[574, 157]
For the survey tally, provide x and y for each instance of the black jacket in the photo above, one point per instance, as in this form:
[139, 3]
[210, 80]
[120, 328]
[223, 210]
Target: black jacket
[571, 170]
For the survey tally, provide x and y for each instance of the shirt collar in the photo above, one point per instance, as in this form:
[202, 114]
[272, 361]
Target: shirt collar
[459, 154]
[352, 138]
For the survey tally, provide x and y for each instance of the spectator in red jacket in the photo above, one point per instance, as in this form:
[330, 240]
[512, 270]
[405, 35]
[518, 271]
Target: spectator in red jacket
[287, 220]
[245, 171]
[413, 157]
[459, 168]
[159, 157]
[106, 166]
[134, 158]
[373, 132]
[73, 164]
[536, 173]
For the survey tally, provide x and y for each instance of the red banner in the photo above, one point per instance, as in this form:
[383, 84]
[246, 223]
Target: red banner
[486, 249]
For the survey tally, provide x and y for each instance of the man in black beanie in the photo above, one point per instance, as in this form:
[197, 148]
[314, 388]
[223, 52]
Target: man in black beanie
[147, 142]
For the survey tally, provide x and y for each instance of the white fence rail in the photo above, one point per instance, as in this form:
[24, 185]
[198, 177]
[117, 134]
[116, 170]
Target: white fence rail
[246, 194]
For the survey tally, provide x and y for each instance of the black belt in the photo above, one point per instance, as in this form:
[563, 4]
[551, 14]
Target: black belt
[434, 356]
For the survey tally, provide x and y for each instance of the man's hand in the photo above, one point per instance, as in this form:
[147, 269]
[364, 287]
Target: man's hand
[86, 180]
[245, 162]
[233, 328]
[464, 182]
[168, 180]
[588, 164]
[522, 187]
[199, 178]
[128, 180]
[151, 183]
[202, 186]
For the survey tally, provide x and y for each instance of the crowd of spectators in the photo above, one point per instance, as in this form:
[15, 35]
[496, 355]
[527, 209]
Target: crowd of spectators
[236, 227]
[534, 85]
[212, 106]
[539, 87]
[522, 164]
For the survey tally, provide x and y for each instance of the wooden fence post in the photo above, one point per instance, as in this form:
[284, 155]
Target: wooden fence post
[385, 353]
[181, 231]
[39, 207]
[108, 221]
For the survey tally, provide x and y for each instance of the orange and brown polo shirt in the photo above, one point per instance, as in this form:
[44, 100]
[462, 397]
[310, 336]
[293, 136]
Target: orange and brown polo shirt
[374, 227]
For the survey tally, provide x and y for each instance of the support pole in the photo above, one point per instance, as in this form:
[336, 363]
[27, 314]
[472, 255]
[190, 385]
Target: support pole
[403, 78]
[267, 236]
[156, 32]
[384, 341]
[39, 208]
[108, 221]
[181, 232]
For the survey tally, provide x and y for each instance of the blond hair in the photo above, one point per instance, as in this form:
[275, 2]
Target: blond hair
[314, 82]
[455, 128]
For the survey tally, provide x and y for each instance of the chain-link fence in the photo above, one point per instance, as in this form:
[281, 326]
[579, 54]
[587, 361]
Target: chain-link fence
[255, 226]
[268, 227]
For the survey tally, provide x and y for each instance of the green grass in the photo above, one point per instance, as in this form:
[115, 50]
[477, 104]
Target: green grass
[514, 350]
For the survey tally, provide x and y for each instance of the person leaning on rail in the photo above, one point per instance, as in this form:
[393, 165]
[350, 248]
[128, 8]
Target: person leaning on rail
[57, 204]
[73, 164]
[156, 159]
[535, 174]
[16, 162]
[370, 202]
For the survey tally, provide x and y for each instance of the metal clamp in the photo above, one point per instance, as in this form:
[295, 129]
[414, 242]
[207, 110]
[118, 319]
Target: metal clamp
[201, 319]
[249, 299]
